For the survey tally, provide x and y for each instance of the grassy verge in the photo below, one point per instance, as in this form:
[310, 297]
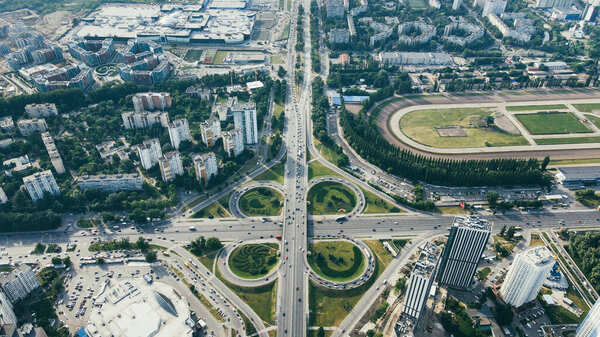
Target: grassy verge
[275, 173]
[195, 202]
[569, 140]
[587, 107]
[326, 152]
[316, 169]
[383, 256]
[214, 210]
[554, 162]
[224, 202]
[536, 107]
[451, 210]
[536, 240]
[376, 204]
[483, 273]
[87, 223]
[261, 299]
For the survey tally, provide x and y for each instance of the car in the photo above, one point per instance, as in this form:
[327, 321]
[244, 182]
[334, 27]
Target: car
[299, 299]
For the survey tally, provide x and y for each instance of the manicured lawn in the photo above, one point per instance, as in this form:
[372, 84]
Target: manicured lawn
[587, 107]
[316, 169]
[276, 59]
[338, 256]
[594, 119]
[330, 197]
[252, 261]
[536, 240]
[214, 210]
[275, 173]
[536, 107]
[193, 55]
[286, 32]
[261, 201]
[376, 204]
[451, 210]
[570, 140]
[421, 126]
[329, 307]
[483, 273]
[87, 223]
[261, 299]
[382, 254]
[554, 162]
[551, 123]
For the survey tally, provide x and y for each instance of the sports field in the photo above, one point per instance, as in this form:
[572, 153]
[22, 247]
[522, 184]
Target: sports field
[193, 55]
[543, 123]
[423, 126]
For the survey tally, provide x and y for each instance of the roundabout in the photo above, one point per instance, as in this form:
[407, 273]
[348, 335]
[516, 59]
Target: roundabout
[332, 195]
[251, 264]
[263, 198]
[340, 264]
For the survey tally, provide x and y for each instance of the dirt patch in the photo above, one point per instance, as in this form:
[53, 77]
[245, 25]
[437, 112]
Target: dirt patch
[55, 24]
[353, 108]
[504, 124]
[451, 131]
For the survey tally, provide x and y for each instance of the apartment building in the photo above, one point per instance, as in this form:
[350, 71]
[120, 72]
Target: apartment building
[40, 183]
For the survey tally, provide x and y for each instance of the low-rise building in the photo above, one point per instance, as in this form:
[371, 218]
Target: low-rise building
[206, 166]
[170, 166]
[53, 153]
[16, 164]
[7, 124]
[111, 182]
[41, 110]
[575, 177]
[144, 119]
[339, 35]
[39, 184]
[19, 283]
[29, 126]
[233, 142]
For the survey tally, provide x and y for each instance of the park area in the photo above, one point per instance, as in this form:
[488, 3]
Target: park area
[252, 261]
[261, 201]
[551, 122]
[460, 127]
[338, 261]
[330, 197]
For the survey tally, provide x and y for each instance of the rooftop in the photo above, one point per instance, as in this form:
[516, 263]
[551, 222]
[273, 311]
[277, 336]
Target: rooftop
[540, 256]
[579, 173]
[472, 221]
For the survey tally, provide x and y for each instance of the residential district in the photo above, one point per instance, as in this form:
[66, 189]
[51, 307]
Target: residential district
[299, 168]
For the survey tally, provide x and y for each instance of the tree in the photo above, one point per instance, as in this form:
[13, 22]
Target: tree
[100, 261]
[510, 233]
[321, 332]
[213, 243]
[281, 72]
[503, 313]
[150, 256]
[545, 162]
[492, 198]
[503, 231]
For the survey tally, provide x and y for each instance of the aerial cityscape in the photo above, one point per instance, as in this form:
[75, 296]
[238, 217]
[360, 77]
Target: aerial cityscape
[301, 168]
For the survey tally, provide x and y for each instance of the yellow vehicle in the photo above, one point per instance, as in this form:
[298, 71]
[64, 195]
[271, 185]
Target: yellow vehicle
[165, 253]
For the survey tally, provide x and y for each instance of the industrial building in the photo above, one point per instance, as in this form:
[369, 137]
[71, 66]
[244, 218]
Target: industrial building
[179, 131]
[233, 142]
[19, 283]
[111, 182]
[206, 166]
[41, 110]
[244, 118]
[575, 177]
[149, 152]
[526, 275]
[590, 327]
[466, 243]
[133, 307]
[39, 184]
[170, 166]
[210, 130]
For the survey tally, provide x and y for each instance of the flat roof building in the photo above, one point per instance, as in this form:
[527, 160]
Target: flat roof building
[19, 283]
[590, 327]
[579, 176]
[526, 275]
[206, 166]
[41, 110]
[29, 126]
[210, 130]
[466, 243]
[170, 166]
[39, 184]
[111, 182]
